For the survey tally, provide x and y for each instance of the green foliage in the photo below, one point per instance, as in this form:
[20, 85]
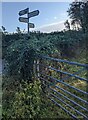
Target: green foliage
[21, 53]
[67, 24]
[78, 12]
[3, 28]
[25, 103]
[18, 30]
[28, 101]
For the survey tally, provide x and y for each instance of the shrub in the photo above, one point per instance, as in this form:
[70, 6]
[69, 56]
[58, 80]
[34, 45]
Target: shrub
[26, 102]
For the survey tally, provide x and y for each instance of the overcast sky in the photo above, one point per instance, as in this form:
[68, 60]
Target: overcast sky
[51, 17]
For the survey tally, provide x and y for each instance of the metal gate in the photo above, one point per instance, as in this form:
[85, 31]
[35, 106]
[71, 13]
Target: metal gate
[65, 84]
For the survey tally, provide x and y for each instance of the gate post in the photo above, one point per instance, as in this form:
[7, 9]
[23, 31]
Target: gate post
[36, 69]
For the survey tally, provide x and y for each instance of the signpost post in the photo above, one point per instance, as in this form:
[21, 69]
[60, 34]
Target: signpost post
[29, 15]
[28, 23]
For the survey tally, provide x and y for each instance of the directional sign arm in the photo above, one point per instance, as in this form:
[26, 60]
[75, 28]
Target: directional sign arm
[22, 19]
[29, 15]
[31, 25]
[34, 13]
[25, 11]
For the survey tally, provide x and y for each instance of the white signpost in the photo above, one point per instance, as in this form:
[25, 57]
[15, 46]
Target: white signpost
[29, 15]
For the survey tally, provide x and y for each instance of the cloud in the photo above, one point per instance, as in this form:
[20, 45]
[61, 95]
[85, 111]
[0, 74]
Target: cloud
[55, 18]
[51, 27]
[64, 14]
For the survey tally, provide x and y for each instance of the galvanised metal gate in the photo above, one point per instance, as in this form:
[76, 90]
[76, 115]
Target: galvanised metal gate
[65, 84]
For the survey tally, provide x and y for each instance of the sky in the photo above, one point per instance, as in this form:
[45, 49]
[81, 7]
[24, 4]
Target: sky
[52, 15]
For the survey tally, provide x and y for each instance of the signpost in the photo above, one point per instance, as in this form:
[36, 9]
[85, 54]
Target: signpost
[31, 25]
[29, 15]
[34, 13]
[25, 11]
[22, 19]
